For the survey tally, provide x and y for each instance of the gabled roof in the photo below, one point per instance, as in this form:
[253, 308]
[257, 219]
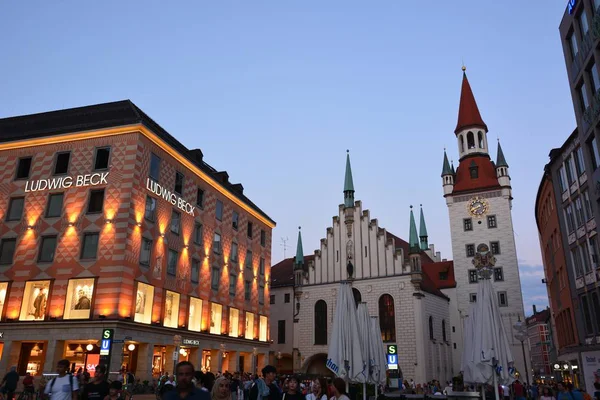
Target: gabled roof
[282, 273]
[468, 112]
[402, 244]
[486, 174]
[435, 272]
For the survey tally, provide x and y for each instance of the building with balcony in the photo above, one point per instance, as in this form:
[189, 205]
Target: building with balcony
[109, 222]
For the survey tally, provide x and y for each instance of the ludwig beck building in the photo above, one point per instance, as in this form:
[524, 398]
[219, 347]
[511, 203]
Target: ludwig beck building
[117, 241]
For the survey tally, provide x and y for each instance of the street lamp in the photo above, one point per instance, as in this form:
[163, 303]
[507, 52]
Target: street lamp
[521, 336]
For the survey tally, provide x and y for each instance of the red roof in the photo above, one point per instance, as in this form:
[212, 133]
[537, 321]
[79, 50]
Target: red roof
[282, 273]
[486, 174]
[441, 274]
[468, 112]
[401, 243]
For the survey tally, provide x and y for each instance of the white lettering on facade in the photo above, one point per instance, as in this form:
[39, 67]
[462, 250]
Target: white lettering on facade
[65, 182]
[167, 195]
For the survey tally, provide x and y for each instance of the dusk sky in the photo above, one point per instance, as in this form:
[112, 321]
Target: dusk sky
[274, 92]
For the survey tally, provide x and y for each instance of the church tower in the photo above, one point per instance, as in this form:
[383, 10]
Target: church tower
[479, 199]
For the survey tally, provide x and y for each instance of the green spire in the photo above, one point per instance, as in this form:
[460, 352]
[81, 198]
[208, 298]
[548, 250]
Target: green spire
[452, 167]
[299, 259]
[446, 168]
[500, 160]
[423, 232]
[413, 240]
[348, 183]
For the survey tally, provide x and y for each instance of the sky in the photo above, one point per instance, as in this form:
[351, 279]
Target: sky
[274, 92]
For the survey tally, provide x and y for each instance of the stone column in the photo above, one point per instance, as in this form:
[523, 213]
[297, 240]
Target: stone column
[54, 353]
[6, 353]
[214, 360]
[421, 337]
[144, 364]
[234, 361]
[219, 361]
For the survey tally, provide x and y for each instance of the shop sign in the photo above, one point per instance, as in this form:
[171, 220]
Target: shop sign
[191, 342]
[106, 341]
[65, 182]
[571, 5]
[161, 191]
[591, 369]
[392, 356]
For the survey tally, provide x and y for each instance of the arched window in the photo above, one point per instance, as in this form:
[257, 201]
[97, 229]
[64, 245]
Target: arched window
[480, 137]
[462, 144]
[387, 318]
[357, 296]
[321, 322]
[431, 327]
[470, 140]
[444, 329]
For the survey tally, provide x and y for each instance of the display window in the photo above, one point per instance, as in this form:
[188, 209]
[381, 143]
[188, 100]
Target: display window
[262, 328]
[249, 332]
[171, 318]
[3, 292]
[35, 301]
[234, 322]
[79, 298]
[216, 314]
[143, 303]
[195, 314]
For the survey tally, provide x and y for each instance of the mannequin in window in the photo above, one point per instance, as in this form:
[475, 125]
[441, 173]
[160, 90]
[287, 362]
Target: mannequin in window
[83, 302]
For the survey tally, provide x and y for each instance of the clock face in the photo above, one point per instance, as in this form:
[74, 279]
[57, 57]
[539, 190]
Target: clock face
[478, 206]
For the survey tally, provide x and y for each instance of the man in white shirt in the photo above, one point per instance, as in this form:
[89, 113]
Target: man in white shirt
[64, 386]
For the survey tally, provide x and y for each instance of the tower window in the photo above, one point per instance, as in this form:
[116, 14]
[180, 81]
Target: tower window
[473, 297]
[474, 171]
[473, 276]
[498, 274]
[470, 250]
[468, 224]
[470, 140]
[495, 247]
[491, 220]
[462, 144]
[480, 139]
[502, 299]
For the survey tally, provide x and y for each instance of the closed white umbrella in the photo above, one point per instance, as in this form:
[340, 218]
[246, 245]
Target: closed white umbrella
[378, 355]
[364, 332]
[344, 357]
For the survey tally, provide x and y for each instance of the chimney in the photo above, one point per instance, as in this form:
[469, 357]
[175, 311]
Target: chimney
[534, 310]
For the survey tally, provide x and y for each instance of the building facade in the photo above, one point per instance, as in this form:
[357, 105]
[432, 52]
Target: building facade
[390, 275]
[479, 199]
[108, 222]
[541, 348]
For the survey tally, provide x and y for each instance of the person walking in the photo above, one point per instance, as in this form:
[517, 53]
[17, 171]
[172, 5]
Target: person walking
[293, 390]
[318, 390]
[9, 383]
[221, 389]
[265, 388]
[98, 388]
[64, 386]
[185, 389]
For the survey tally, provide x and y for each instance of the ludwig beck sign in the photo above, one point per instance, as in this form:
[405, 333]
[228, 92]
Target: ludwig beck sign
[166, 194]
[65, 182]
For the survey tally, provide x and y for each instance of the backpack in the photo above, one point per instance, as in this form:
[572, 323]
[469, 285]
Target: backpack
[54, 380]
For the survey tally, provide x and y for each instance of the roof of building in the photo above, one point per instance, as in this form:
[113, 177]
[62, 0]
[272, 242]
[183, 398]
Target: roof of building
[486, 174]
[539, 317]
[446, 170]
[441, 274]
[500, 160]
[402, 244]
[109, 115]
[468, 112]
[429, 286]
[282, 273]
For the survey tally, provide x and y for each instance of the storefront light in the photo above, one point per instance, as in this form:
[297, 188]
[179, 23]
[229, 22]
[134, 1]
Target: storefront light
[89, 347]
[131, 347]
[574, 367]
[566, 366]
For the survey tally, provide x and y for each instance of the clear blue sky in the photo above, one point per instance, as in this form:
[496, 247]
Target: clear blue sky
[276, 91]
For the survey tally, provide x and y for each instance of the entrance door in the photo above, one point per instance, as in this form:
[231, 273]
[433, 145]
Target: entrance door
[241, 364]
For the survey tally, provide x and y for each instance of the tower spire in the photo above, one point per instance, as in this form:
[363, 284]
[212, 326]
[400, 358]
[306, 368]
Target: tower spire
[299, 259]
[348, 183]
[446, 167]
[468, 112]
[413, 240]
[423, 231]
[500, 160]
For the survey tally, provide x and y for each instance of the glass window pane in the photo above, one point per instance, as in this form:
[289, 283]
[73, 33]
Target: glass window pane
[583, 23]
[583, 97]
[234, 251]
[150, 208]
[96, 202]
[23, 168]
[172, 300]
[79, 298]
[154, 167]
[61, 165]
[47, 249]
[232, 284]
[178, 183]
[90, 245]
[55, 203]
[234, 220]
[145, 251]
[200, 198]
[215, 276]
[219, 210]
[172, 262]
[102, 157]
[198, 234]
[15, 209]
[195, 270]
[217, 243]
[175, 222]
[7, 250]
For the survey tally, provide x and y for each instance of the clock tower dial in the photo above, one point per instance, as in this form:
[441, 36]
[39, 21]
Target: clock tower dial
[478, 207]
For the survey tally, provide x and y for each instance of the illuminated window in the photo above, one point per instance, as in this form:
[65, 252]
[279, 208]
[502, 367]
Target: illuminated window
[15, 209]
[263, 238]
[249, 331]
[195, 270]
[217, 243]
[247, 290]
[154, 167]
[143, 303]
[175, 222]
[102, 157]
[261, 266]
[47, 249]
[200, 198]
[232, 284]
[96, 201]
[7, 250]
[219, 210]
[214, 278]
[171, 318]
[195, 315]
[235, 217]
[79, 298]
[178, 183]
[145, 251]
[198, 233]
[3, 291]
[216, 315]
[387, 318]
[150, 208]
[172, 259]
[55, 204]
[89, 248]
[23, 168]
[249, 230]
[61, 164]
[234, 322]
[234, 252]
[262, 328]
[35, 301]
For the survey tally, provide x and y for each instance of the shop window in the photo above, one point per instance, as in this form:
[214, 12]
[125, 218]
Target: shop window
[171, 317]
[235, 219]
[23, 168]
[198, 233]
[216, 315]
[234, 252]
[172, 259]
[3, 292]
[61, 165]
[79, 298]
[261, 266]
[215, 276]
[101, 159]
[178, 183]
[15, 209]
[7, 250]
[232, 284]
[219, 210]
[217, 243]
[263, 238]
[143, 303]
[89, 248]
[47, 249]
[249, 230]
[145, 251]
[234, 322]
[175, 222]
[249, 331]
[195, 270]
[55, 204]
[35, 301]
[195, 315]
[150, 208]
[262, 328]
[96, 201]
[200, 198]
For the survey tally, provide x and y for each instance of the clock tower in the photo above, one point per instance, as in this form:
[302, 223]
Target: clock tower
[479, 199]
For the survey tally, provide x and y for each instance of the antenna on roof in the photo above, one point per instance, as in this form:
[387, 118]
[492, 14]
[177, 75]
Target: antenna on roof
[284, 245]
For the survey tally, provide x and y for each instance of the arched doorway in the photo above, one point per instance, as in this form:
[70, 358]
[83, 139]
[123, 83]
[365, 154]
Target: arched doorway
[316, 365]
